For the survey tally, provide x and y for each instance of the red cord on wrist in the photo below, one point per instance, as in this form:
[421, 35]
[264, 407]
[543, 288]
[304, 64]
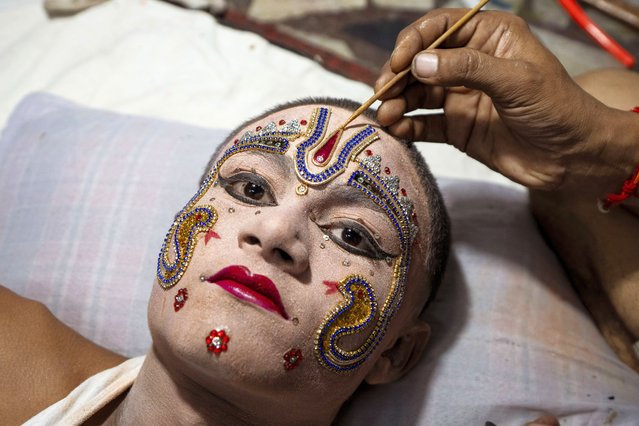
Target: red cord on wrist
[628, 189]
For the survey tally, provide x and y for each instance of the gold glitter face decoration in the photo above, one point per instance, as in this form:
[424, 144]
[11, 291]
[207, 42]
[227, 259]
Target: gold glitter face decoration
[351, 315]
[187, 225]
[194, 219]
[356, 311]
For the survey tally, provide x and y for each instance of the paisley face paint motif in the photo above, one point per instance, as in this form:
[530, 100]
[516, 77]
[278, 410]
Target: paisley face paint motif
[189, 223]
[352, 314]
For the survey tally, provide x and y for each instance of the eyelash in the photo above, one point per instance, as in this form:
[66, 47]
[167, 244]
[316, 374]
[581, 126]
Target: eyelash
[245, 178]
[377, 251]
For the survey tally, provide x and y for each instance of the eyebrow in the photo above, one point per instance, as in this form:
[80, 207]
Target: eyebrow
[351, 194]
[281, 162]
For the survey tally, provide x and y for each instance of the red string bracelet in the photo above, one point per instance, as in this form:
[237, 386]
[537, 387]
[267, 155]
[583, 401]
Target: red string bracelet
[628, 189]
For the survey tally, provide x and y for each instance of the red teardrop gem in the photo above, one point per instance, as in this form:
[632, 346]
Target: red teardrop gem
[303, 122]
[321, 155]
[403, 192]
[282, 122]
[369, 152]
[387, 170]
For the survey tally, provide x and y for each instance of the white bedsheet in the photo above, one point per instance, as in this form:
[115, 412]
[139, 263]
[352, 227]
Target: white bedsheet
[150, 58]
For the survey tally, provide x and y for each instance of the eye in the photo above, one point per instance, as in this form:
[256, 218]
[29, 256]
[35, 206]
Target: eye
[355, 238]
[351, 237]
[253, 191]
[249, 188]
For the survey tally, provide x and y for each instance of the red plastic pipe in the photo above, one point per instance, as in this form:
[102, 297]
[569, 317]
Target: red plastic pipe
[600, 36]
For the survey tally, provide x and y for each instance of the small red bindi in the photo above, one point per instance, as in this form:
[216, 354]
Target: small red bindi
[369, 153]
[292, 359]
[303, 122]
[403, 192]
[282, 122]
[180, 298]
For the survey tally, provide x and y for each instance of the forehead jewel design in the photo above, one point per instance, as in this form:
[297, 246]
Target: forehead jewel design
[321, 151]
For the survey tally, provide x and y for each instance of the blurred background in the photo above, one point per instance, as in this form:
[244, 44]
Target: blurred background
[362, 32]
[355, 37]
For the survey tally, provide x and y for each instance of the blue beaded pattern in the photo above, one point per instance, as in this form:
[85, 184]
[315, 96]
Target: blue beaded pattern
[355, 312]
[317, 130]
[327, 349]
[184, 229]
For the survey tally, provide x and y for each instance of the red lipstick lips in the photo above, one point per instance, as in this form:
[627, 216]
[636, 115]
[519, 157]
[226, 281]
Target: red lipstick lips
[257, 289]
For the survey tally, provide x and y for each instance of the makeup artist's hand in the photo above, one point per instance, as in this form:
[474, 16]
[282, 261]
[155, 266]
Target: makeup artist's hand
[507, 100]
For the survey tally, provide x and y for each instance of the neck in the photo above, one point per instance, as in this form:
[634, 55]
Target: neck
[162, 396]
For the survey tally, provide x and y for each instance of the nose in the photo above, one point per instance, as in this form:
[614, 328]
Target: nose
[276, 238]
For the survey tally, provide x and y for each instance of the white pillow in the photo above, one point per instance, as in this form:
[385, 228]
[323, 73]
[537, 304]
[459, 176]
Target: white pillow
[87, 196]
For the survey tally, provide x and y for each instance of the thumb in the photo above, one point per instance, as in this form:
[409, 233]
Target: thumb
[471, 68]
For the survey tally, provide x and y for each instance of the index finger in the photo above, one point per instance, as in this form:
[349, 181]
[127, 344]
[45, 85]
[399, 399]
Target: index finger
[387, 75]
[422, 33]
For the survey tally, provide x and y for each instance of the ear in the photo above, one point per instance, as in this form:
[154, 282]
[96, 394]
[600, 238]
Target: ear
[404, 353]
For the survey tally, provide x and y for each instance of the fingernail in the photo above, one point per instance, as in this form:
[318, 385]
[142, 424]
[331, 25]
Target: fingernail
[425, 65]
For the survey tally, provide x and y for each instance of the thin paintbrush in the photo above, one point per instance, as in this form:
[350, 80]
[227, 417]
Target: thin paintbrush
[395, 79]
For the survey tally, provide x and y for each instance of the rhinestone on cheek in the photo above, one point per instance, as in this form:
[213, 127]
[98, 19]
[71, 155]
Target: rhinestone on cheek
[292, 358]
[180, 298]
[301, 189]
[217, 341]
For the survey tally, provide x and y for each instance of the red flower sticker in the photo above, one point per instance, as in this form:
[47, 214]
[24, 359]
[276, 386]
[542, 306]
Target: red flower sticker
[292, 358]
[217, 341]
[180, 298]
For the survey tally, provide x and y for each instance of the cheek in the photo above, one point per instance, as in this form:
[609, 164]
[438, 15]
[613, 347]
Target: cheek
[206, 223]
